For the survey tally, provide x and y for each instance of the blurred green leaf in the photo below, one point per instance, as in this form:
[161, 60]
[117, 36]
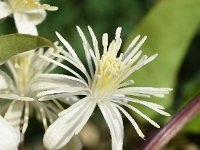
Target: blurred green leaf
[193, 126]
[13, 44]
[170, 27]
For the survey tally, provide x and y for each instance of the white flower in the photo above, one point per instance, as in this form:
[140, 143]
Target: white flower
[103, 85]
[27, 13]
[9, 137]
[18, 100]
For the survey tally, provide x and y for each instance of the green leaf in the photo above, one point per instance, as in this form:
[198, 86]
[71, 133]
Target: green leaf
[170, 27]
[13, 44]
[194, 124]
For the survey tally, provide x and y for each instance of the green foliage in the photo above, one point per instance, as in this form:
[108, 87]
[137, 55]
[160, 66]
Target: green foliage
[170, 26]
[13, 44]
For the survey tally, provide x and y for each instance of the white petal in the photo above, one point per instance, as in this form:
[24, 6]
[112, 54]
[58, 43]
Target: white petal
[62, 66]
[114, 121]
[60, 95]
[134, 50]
[65, 127]
[5, 10]
[56, 94]
[36, 16]
[95, 43]
[138, 112]
[128, 50]
[24, 25]
[53, 85]
[135, 125]
[159, 92]
[151, 58]
[25, 117]
[70, 100]
[9, 137]
[5, 81]
[88, 51]
[74, 62]
[153, 106]
[12, 96]
[68, 46]
[14, 114]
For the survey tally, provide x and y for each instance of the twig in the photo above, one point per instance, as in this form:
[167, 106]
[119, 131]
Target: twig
[174, 126]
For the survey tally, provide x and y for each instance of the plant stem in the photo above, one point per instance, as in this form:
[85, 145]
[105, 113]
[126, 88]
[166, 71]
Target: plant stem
[174, 126]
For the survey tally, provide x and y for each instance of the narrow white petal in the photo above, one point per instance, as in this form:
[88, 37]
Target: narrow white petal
[24, 25]
[114, 121]
[134, 50]
[151, 58]
[11, 67]
[67, 45]
[36, 16]
[135, 58]
[26, 117]
[62, 66]
[153, 106]
[138, 112]
[95, 43]
[78, 104]
[48, 83]
[139, 64]
[77, 64]
[64, 128]
[5, 81]
[70, 100]
[9, 137]
[59, 91]
[134, 41]
[88, 51]
[135, 125]
[11, 96]
[59, 95]
[126, 83]
[145, 102]
[59, 78]
[5, 10]
[159, 92]
[14, 114]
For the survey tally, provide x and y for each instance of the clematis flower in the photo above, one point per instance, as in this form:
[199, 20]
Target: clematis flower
[27, 13]
[9, 137]
[103, 83]
[17, 99]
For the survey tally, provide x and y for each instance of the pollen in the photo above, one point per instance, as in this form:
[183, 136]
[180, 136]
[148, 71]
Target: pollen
[111, 67]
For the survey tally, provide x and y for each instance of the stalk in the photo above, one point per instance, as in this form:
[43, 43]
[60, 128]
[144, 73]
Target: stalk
[174, 126]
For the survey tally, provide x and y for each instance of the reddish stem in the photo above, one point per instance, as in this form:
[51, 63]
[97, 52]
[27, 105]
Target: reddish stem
[174, 126]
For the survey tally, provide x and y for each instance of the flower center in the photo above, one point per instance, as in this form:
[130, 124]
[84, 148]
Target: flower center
[110, 69]
[27, 5]
[108, 73]
[24, 74]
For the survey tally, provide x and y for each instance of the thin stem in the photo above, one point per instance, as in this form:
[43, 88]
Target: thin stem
[174, 126]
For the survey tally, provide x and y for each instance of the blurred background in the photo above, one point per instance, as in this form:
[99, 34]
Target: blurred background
[173, 30]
